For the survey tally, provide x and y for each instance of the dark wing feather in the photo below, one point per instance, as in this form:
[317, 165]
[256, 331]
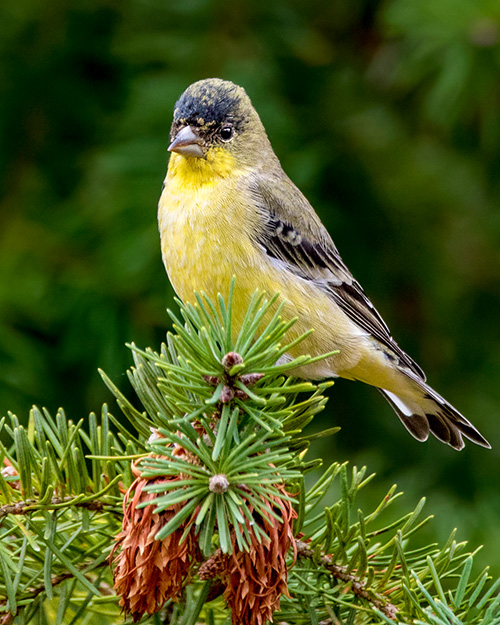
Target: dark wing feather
[289, 241]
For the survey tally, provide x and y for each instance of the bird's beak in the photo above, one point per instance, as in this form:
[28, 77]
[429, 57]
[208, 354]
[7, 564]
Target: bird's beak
[187, 142]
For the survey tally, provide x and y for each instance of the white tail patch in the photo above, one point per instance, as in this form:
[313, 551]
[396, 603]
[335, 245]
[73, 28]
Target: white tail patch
[432, 413]
[408, 412]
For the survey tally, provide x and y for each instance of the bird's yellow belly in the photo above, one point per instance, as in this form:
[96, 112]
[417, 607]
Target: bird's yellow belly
[191, 263]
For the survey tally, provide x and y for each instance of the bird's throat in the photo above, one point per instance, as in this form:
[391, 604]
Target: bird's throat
[191, 172]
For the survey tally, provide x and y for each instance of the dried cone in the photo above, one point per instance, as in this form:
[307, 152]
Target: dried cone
[256, 579]
[147, 572]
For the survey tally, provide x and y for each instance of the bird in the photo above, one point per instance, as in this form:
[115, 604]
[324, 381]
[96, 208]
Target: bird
[228, 209]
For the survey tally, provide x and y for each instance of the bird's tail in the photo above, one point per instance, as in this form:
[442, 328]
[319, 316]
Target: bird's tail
[432, 413]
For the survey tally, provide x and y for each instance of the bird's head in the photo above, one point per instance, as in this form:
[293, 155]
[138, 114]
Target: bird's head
[215, 119]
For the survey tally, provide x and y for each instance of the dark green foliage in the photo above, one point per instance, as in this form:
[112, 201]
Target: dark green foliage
[61, 501]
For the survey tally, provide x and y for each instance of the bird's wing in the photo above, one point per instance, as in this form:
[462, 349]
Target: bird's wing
[287, 237]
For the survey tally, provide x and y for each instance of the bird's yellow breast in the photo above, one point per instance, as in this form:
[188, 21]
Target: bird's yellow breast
[198, 216]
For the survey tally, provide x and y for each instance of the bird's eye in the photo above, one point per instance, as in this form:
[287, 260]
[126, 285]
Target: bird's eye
[226, 133]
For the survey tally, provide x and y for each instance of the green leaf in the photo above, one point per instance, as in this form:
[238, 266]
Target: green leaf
[179, 518]
[9, 585]
[222, 524]
[195, 607]
[462, 583]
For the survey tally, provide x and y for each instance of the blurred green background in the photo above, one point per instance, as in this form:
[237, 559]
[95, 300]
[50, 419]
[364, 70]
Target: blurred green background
[386, 114]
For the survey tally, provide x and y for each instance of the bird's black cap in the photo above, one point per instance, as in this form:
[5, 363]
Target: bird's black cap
[212, 102]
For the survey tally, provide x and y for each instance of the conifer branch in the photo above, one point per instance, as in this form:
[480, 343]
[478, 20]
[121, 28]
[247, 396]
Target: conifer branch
[34, 592]
[339, 572]
[214, 505]
[27, 507]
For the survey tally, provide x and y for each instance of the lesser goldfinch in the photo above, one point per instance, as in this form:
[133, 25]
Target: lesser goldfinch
[228, 209]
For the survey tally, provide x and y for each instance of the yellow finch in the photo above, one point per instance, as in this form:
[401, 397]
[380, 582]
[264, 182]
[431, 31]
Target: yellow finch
[228, 208]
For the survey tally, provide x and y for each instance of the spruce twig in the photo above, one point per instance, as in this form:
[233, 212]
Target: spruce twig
[359, 586]
[27, 507]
